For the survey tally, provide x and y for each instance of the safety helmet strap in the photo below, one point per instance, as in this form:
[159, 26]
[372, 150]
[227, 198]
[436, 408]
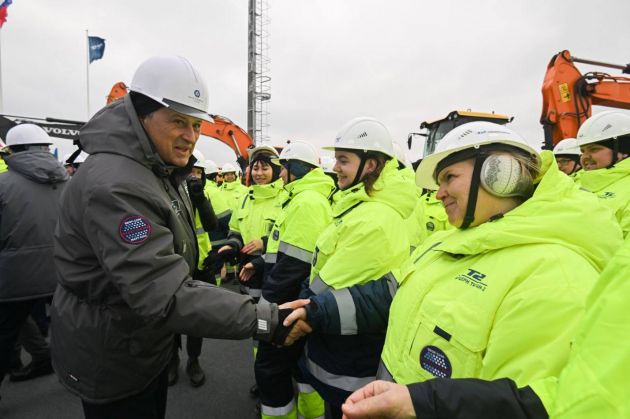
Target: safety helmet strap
[475, 183]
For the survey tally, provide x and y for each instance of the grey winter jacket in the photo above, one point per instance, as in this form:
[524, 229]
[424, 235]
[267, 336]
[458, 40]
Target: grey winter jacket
[125, 251]
[29, 206]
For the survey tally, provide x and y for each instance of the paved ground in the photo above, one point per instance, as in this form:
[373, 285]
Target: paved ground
[229, 370]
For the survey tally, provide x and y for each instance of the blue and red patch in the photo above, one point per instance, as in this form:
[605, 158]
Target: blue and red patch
[435, 361]
[134, 229]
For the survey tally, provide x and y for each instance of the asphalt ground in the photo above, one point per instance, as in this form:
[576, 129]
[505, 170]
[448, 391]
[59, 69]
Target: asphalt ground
[229, 367]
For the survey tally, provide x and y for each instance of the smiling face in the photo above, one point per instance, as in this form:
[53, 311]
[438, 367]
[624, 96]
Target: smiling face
[229, 177]
[346, 166]
[454, 182]
[261, 172]
[596, 156]
[173, 134]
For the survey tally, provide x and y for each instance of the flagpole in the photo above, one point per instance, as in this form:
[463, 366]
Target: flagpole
[87, 72]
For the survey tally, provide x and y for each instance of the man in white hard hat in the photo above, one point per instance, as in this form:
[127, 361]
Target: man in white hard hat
[604, 141]
[125, 251]
[29, 197]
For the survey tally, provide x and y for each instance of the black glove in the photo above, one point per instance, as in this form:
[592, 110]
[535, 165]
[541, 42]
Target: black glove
[281, 332]
[195, 190]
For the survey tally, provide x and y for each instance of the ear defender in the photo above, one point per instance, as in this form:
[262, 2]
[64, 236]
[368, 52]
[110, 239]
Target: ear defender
[504, 176]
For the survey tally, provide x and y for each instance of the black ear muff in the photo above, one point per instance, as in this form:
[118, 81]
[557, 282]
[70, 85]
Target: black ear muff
[504, 176]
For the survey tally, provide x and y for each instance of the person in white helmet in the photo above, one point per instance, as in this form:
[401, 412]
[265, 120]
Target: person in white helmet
[567, 153]
[515, 262]
[367, 239]
[305, 212]
[126, 253]
[604, 140]
[29, 207]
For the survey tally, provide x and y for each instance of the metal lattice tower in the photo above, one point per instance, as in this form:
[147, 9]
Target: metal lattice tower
[258, 73]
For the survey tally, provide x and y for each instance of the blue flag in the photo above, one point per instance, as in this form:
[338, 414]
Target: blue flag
[97, 48]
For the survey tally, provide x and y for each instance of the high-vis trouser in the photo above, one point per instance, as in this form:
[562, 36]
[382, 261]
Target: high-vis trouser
[275, 370]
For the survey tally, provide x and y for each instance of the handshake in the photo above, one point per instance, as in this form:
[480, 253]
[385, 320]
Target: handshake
[295, 324]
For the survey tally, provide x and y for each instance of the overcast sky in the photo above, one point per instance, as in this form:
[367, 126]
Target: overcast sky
[400, 61]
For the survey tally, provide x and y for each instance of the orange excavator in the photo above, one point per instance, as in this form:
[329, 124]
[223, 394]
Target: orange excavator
[221, 129]
[568, 95]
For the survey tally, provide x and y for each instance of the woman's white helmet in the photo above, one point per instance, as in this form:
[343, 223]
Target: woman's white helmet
[364, 134]
[262, 149]
[173, 82]
[327, 164]
[567, 147]
[201, 160]
[211, 167]
[228, 168]
[299, 150]
[27, 134]
[603, 126]
[467, 136]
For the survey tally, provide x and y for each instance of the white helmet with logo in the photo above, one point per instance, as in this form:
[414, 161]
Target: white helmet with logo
[262, 149]
[27, 134]
[364, 134]
[201, 161]
[604, 126]
[228, 168]
[299, 150]
[211, 167]
[173, 82]
[567, 147]
[471, 135]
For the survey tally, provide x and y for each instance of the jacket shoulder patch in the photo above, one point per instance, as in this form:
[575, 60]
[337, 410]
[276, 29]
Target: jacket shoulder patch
[134, 229]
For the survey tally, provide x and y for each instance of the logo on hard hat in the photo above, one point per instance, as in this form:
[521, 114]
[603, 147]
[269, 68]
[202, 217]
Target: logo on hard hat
[197, 93]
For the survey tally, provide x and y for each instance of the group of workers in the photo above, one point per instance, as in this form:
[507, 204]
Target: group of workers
[482, 285]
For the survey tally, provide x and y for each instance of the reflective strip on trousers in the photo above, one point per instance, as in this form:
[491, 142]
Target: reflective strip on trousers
[305, 388]
[296, 252]
[318, 286]
[383, 373]
[277, 411]
[270, 257]
[344, 382]
[347, 311]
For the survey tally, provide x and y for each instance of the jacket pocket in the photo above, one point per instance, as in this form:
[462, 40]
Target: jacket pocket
[444, 352]
[325, 246]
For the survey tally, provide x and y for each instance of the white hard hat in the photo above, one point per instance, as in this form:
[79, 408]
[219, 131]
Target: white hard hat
[211, 167]
[25, 134]
[173, 82]
[201, 161]
[364, 134]
[328, 163]
[262, 149]
[399, 152]
[228, 168]
[466, 136]
[603, 126]
[567, 147]
[299, 150]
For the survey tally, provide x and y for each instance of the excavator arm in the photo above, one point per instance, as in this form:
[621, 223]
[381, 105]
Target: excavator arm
[568, 95]
[221, 128]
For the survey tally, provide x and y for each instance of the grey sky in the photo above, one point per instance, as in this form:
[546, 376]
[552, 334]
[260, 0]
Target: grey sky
[400, 61]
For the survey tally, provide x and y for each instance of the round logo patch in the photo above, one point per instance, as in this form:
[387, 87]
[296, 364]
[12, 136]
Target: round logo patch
[134, 229]
[276, 235]
[430, 226]
[435, 361]
[197, 93]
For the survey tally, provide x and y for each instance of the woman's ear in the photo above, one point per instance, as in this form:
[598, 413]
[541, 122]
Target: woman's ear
[370, 166]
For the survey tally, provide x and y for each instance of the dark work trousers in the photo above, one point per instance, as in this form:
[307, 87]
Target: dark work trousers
[150, 404]
[13, 314]
[33, 341]
[275, 369]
